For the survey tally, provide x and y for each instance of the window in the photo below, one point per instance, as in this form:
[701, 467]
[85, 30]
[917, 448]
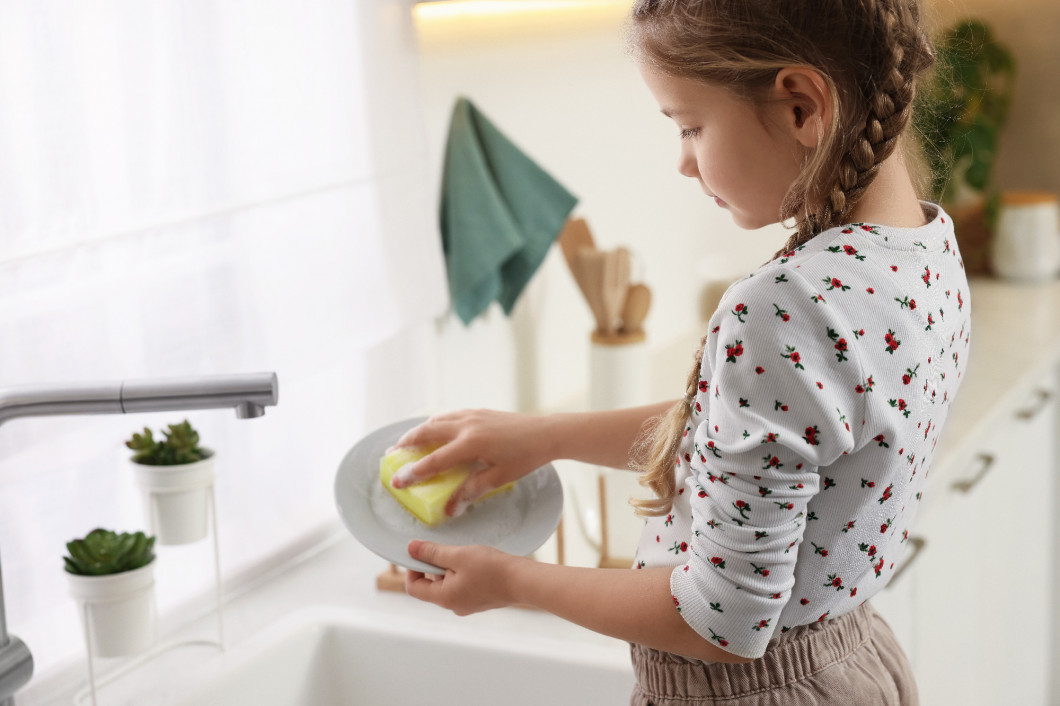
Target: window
[189, 189]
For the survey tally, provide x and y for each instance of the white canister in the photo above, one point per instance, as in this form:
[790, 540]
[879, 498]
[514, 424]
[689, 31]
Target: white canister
[619, 372]
[619, 376]
[176, 499]
[1026, 242]
[117, 610]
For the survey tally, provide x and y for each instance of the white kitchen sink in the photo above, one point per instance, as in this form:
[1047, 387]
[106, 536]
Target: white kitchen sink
[326, 657]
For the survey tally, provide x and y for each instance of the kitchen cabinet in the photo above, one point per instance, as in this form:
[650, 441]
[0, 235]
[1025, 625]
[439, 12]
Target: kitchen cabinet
[1015, 592]
[982, 584]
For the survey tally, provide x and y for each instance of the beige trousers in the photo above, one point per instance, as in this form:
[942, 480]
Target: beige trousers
[853, 660]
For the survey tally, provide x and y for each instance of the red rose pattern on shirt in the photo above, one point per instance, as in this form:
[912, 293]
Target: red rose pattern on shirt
[826, 381]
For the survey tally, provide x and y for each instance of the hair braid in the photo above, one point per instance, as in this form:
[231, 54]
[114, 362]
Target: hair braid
[889, 108]
[903, 51]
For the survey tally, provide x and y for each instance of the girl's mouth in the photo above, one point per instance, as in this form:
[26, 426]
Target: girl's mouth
[720, 202]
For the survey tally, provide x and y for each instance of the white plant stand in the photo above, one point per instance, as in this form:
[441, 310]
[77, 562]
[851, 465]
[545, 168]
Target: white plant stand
[94, 684]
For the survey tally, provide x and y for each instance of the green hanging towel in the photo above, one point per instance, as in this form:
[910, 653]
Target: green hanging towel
[500, 213]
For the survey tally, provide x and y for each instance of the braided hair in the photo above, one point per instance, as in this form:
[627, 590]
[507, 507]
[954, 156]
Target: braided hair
[870, 53]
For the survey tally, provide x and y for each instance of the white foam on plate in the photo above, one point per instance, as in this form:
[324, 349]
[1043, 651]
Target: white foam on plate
[486, 522]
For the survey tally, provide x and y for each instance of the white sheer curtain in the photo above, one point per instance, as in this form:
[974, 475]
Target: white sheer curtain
[202, 188]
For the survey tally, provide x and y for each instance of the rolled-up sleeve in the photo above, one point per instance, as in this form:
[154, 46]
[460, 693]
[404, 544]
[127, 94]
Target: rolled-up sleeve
[780, 395]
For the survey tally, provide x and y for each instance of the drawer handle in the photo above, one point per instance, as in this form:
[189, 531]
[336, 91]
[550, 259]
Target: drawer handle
[1043, 400]
[918, 544]
[965, 486]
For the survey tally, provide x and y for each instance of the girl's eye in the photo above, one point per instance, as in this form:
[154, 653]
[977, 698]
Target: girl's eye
[689, 133]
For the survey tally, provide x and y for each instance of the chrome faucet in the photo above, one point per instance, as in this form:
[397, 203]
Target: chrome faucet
[247, 394]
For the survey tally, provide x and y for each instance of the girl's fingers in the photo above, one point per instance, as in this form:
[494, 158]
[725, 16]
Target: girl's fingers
[476, 485]
[429, 552]
[473, 579]
[419, 586]
[430, 465]
[433, 431]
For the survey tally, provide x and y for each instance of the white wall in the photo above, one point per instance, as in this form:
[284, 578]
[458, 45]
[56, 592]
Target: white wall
[561, 86]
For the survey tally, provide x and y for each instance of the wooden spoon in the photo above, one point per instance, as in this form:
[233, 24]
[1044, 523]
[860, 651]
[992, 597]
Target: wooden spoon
[635, 309]
[574, 237]
[614, 286]
[589, 272]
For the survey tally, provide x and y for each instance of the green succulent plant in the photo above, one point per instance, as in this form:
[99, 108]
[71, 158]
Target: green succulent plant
[962, 109]
[180, 446]
[102, 552]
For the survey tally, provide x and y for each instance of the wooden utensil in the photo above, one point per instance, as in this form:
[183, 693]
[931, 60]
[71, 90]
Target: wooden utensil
[589, 272]
[574, 237]
[635, 308]
[613, 288]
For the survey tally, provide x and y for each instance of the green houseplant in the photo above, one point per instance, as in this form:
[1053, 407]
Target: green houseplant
[959, 115]
[103, 552]
[175, 475]
[111, 576]
[180, 445]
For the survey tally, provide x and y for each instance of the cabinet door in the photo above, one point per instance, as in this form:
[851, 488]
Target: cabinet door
[983, 582]
[948, 646]
[1015, 580]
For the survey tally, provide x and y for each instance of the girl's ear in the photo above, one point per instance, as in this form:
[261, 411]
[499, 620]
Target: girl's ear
[806, 100]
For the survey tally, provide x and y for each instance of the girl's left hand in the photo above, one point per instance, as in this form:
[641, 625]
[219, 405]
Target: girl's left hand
[476, 578]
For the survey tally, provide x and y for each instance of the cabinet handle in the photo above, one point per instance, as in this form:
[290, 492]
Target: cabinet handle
[965, 486]
[1043, 400]
[918, 544]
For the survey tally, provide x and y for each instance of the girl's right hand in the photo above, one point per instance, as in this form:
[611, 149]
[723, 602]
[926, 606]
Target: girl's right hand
[499, 447]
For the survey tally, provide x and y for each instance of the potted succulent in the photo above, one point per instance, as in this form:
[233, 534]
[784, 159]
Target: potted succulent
[111, 576]
[959, 115]
[174, 474]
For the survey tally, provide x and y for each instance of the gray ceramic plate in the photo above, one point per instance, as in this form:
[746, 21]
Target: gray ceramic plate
[517, 522]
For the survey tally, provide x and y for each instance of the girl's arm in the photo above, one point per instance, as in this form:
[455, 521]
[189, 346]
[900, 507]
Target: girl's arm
[634, 605]
[601, 438]
[504, 447]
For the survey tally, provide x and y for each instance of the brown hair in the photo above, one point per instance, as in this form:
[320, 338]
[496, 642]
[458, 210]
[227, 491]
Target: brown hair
[870, 53]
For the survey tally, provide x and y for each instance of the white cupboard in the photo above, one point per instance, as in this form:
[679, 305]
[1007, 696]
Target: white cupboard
[982, 584]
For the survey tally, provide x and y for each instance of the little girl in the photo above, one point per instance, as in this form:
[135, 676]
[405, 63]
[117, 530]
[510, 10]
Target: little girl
[789, 476]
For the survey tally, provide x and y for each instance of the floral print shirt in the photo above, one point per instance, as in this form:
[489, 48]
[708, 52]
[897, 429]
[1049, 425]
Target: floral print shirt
[826, 381]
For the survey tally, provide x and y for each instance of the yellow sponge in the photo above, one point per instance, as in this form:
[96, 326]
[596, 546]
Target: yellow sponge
[425, 500]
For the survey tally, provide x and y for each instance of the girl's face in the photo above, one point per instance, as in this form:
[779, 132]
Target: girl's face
[741, 160]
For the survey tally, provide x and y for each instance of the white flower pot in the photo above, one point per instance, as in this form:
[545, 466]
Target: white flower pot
[117, 610]
[176, 499]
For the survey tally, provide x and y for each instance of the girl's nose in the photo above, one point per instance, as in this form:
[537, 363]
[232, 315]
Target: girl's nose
[686, 163]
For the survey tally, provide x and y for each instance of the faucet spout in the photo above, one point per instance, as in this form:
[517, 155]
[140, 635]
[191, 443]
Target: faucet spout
[248, 394]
